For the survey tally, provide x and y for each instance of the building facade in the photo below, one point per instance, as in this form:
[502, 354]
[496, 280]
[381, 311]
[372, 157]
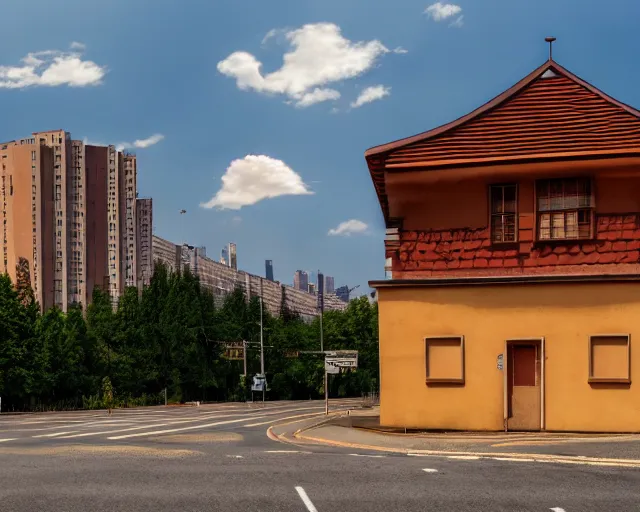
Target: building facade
[513, 252]
[70, 212]
[301, 280]
[144, 261]
[268, 266]
[329, 284]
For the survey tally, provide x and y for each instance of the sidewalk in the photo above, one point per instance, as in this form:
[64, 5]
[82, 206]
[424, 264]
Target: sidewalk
[361, 430]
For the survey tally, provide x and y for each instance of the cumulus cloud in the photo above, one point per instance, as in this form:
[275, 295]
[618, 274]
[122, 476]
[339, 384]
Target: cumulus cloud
[254, 178]
[373, 93]
[52, 68]
[141, 143]
[318, 55]
[75, 45]
[440, 11]
[348, 228]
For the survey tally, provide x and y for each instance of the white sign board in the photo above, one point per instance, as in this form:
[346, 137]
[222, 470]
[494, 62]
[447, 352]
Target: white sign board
[330, 368]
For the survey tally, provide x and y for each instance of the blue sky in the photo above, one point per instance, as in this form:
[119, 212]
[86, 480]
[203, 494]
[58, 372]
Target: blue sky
[152, 67]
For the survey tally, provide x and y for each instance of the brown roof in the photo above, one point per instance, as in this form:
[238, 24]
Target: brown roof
[558, 116]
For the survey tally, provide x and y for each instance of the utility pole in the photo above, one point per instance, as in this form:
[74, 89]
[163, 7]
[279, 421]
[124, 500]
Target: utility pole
[264, 384]
[244, 357]
[326, 375]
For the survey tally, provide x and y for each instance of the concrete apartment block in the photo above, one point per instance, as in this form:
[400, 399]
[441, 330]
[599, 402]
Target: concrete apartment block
[70, 210]
[130, 228]
[26, 170]
[144, 259]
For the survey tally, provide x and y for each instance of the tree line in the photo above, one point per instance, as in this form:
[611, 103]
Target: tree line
[169, 336]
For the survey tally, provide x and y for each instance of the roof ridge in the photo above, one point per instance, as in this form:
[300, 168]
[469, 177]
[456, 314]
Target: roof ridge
[496, 102]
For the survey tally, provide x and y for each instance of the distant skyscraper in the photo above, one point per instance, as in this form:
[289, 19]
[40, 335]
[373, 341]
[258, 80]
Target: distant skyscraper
[312, 288]
[301, 280]
[313, 277]
[268, 264]
[343, 293]
[224, 256]
[329, 284]
[233, 258]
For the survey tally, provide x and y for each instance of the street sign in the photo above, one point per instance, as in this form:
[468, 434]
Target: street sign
[233, 351]
[259, 383]
[331, 368]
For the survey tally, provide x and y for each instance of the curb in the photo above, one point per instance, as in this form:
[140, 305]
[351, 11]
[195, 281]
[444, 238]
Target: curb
[502, 456]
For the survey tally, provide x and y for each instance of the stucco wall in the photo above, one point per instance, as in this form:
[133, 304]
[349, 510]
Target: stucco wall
[565, 314]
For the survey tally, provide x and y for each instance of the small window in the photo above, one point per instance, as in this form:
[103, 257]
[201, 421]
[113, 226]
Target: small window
[609, 360]
[504, 200]
[565, 209]
[444, 357]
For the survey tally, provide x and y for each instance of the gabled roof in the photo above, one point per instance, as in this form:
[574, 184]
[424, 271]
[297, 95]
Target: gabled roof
[549, 114]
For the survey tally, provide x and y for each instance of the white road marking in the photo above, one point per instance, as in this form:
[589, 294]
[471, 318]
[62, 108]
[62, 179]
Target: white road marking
[10, 439]
[57, 434]
[371, 456]
[463, 457]
[305, 499]
[430, 470]
[172, 430]
[282, 419]
[514, 459]
[285, 451]
[235, 456]
[557, 509]
[142, 427]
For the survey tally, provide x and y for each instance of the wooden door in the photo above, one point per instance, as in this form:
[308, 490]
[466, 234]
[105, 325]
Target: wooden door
[523, 386]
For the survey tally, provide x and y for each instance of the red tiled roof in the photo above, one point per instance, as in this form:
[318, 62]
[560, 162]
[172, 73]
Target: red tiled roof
[558, 116]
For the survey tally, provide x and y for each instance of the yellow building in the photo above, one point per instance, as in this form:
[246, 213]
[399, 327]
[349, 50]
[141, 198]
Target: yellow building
[512, 297]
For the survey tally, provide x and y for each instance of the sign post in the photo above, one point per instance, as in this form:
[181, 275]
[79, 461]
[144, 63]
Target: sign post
[334, 362]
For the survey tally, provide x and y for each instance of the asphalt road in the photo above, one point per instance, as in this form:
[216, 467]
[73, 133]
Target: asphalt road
[218, 458]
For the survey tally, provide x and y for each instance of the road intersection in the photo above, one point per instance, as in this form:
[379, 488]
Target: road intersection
[218, 457]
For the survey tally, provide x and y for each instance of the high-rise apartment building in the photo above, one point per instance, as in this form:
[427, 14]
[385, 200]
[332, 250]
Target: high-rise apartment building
[69, 210]
[144, 213]
[129, 242]
[268, 264]
[329, 284]
[301, 280]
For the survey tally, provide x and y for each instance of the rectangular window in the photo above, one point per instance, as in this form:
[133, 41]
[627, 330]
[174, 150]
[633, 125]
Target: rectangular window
[609, 359]
[444, 358]
[565, 209]
[504, 209]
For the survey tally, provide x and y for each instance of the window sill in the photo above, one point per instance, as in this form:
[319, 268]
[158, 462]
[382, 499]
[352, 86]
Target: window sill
[595, 380]
[566, 241]
[430, 381]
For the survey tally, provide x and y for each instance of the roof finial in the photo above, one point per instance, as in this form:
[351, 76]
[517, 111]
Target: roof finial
[550, 40]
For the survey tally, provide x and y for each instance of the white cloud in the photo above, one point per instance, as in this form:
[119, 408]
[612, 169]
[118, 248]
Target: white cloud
[318, 55]
[316, 96]
[348, 228]
[400, 50]
[254, 178]
[440, 11]
[458, 22]
[373, 93]
[141, 143]
[145, 143]
[75, 45]
[52, 68]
